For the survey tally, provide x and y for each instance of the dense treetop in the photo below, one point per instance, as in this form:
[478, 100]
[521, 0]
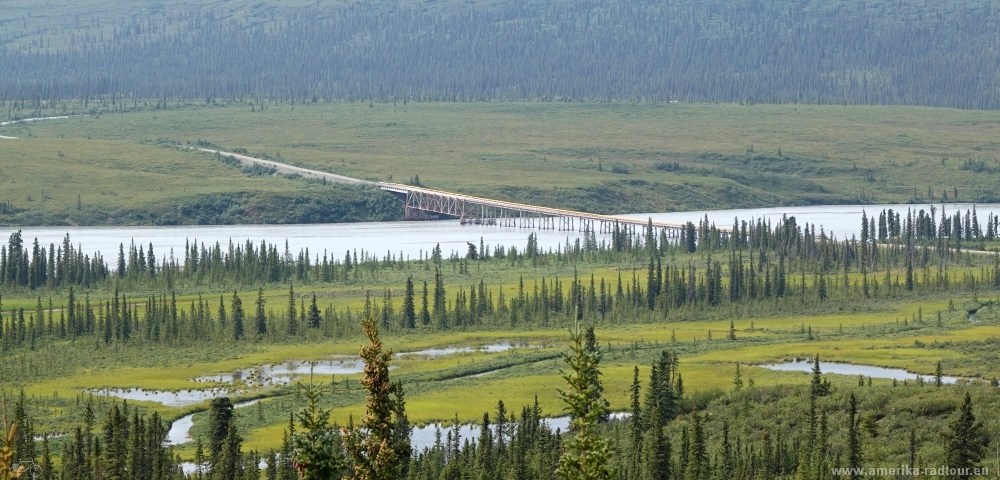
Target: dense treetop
[846, 51]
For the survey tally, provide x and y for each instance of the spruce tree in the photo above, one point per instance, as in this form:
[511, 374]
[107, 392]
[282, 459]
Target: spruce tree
[439, 300]
[853, 438]
[587, 455]
[115, 444]
[597, 389]
[697, 460]
[228, 464]
[220, 419]
[271, 472]
[24, 437]
[316, 448]
[425, 314]
[966, 441]
[222, 312]
[818, 387]
[821, 288]
[260, 320]
[293, 322]
[655, 454]
[728, 467]
[237, 311]
[485, 458]
[370, 444]
[286, 471]
[409, 310]
[401, 436]
[46, 469]
[314, 318]
[636, 425]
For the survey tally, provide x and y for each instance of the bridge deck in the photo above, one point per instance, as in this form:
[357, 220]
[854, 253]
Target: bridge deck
[456, 204]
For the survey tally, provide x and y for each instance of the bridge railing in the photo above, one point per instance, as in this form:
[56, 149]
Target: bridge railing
[457, 204]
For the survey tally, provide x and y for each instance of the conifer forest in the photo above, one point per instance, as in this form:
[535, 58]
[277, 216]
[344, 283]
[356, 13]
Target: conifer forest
[886, 52]
[218, 260]
[75, 313]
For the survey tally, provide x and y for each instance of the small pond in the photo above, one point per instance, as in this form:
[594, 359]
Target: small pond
[284, 373]
[425, 436]
[855, 370]
[445, 351]
[175, 398]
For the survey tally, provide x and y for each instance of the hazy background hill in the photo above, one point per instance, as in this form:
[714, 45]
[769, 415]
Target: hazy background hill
[813, 51]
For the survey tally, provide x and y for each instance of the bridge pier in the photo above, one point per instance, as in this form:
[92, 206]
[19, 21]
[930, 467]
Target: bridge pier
[422, 204]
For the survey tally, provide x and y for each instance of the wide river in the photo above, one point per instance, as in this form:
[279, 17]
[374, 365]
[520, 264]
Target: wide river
[414, 239]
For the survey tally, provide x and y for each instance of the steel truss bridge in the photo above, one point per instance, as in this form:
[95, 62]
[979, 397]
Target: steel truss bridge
[422, 203]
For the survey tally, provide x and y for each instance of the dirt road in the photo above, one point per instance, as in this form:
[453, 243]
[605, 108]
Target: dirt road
[285, 168]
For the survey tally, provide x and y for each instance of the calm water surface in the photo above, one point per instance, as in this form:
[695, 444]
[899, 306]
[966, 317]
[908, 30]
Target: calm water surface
[413, 239]
[856, 370]
[842, 220]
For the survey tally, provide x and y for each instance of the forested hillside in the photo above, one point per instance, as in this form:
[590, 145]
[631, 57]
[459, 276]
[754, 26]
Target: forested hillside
[816, 51]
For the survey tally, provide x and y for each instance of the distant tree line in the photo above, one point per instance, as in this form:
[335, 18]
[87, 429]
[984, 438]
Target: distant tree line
[849, 52]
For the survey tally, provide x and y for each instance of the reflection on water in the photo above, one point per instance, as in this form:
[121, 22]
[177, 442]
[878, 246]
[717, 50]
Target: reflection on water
[842, 220]
[851, 369]
[421, 437]
[444, 351]
[178, 398]
[180, 430]
[426, 436]
[285, 373]
[411, 239]
[277, 374]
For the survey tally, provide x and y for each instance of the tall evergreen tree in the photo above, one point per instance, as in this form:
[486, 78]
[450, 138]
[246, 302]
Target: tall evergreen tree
[220, 419]
[24, 437]
[636, 424]
[370, 444]
[409, 310]
[425, 314]
[238, 314]
[655, 454]
[697, 460]
[853, 438]
[966, 441]
[314, 318]
[46, 469]
[260, 320]
[317, 452]
[293, 321]
[597, 388]
[229, 462]
[115, 452]
[587, 455]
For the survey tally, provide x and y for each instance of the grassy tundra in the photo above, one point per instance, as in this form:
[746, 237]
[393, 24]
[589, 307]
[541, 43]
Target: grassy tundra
[608, 158]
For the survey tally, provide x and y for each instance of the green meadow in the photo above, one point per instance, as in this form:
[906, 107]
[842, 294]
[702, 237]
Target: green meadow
[898, 331]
